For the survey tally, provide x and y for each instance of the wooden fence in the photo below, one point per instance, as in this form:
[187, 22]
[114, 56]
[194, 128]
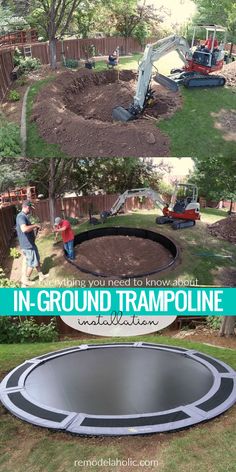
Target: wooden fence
[7, 223]
[79, 207]
[6, 67]
[219, 205]
[71, 48]
[80, 48]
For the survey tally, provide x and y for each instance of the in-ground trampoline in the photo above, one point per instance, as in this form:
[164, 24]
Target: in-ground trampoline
[119, 389]
[123, 252]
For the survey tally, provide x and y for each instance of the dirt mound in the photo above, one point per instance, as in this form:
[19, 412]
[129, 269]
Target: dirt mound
[226, 122]
[229, 72]
[74, 111]
[122, 255]
[224, 229]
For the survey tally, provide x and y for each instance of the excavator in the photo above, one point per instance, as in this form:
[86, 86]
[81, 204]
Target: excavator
[182, 212]
[199, 64]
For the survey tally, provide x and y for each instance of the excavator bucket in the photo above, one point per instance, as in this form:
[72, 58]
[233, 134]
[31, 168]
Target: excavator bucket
[167, 82]
[121, 114]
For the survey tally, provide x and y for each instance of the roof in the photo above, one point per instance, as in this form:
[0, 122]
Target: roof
[212, 27]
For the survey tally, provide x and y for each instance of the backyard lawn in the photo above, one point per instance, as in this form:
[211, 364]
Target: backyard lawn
[201, 256]
[208, 447]
[192, 129]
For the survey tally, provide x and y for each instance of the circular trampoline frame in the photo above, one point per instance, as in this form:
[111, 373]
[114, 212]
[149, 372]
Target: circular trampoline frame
[125, 231]
[220, 397]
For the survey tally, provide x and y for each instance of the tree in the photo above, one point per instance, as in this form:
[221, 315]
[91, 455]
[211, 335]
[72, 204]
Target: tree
[11, 176]
[85, 16]
[52, 177]
[115, 175]
[228, 326]
[215, 178]
[9, 21]
[215, 12]
[54, 17]
[131, 17]
[55, 176]
[21, 7]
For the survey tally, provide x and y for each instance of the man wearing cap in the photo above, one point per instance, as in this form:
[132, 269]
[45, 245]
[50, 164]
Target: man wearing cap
[64, 227]
[26, 235]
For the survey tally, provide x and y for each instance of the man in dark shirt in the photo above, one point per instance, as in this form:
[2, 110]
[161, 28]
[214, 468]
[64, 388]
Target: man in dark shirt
[26, 234]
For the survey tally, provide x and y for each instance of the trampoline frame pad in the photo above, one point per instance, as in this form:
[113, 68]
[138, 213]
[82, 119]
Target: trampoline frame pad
[220, 397]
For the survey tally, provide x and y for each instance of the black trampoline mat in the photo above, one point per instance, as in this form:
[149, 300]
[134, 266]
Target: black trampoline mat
[119, 381]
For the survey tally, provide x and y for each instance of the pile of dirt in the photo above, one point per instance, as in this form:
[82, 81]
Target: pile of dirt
[229, 72]
[75, 112]
[226, 122]
[224, 229]
[122, 256]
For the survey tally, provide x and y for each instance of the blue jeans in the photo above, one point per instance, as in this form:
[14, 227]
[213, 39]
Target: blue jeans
[69, 248]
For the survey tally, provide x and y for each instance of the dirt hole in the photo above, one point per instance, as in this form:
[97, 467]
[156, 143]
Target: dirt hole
[94, 96]
[122, 255]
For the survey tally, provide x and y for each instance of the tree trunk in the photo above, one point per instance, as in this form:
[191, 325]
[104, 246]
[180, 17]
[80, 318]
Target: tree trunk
[228, 326]
[51, 191]
[53, 53]
[126, 45]
[231, 206]
[231, 49]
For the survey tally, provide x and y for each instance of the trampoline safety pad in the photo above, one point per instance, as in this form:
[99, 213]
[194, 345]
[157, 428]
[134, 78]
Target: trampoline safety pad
[119, 389]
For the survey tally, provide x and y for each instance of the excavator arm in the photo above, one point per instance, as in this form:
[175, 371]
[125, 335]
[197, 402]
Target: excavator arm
[153, 52]
[139, 192]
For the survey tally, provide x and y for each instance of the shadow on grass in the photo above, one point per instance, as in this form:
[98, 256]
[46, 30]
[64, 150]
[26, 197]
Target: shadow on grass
[48, 263]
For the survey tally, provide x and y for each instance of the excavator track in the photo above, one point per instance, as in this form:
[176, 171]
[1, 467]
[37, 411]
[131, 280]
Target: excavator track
[180, 224]
[204, 81]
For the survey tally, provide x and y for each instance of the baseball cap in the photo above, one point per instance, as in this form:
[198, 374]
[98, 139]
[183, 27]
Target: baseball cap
[27, 203]
[57, 220]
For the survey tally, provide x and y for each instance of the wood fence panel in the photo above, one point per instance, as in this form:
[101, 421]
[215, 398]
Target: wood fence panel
[6, 67]
[7, 228]
[41, 52]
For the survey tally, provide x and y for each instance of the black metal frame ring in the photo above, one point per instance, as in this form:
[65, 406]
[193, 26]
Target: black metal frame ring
[126, 231]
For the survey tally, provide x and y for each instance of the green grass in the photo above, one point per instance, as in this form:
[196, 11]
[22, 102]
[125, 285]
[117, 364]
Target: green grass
[35, 145]
[124, 63]
[209, 447]
[191, 129]
[201, 256]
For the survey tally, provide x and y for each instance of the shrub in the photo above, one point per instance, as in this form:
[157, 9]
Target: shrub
[14, 253]
[29, 63]
[13, 96]
[214, 322]
[4, 281]
[71, 63]
[22, 81]
[72, 221]
[13, 330]
[25, 64]
[9, 332]
[10, 145]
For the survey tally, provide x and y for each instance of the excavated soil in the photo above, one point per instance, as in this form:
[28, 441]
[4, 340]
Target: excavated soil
[226, 122]
[229, 72]
[75, 112]
[122, 255]
[224, 229]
